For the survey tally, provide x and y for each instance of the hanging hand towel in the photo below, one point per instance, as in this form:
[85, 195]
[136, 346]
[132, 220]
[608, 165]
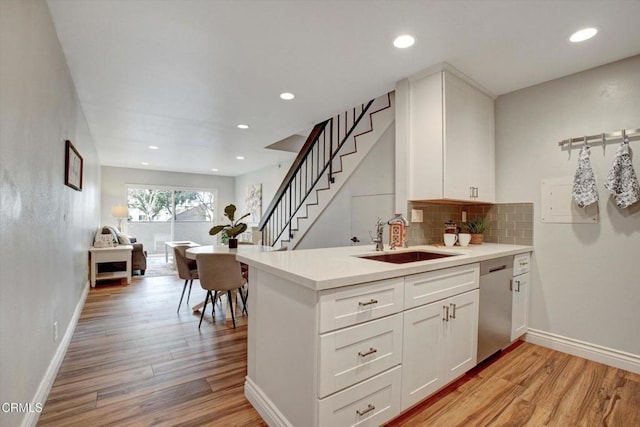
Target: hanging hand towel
[622, 182]
[585, 191]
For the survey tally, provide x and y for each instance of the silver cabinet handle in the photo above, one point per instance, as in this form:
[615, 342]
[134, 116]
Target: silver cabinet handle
[371, 301]
[370, 408]
[368, 353]
[445, 316]
[511, 285]
[453, 310]
[518, 283]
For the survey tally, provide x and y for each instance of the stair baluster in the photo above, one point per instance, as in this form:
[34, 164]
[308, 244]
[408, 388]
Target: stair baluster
[306, 172]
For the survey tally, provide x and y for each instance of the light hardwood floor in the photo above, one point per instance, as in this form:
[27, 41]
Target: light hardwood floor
[134, 361]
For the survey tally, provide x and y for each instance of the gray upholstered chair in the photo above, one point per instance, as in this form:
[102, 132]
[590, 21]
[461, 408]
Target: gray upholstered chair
[187, 269]
[219, 272]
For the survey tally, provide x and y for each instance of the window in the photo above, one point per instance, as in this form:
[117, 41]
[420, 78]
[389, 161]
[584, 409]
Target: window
[160, 214]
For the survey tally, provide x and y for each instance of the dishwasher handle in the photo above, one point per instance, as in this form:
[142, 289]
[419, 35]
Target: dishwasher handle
[502, 267]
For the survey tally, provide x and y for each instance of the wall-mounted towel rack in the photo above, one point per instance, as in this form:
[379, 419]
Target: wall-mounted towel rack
[603, 138]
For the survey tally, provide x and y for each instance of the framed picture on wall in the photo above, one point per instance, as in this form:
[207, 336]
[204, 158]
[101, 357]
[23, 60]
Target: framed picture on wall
[73, 164]
[253, 201]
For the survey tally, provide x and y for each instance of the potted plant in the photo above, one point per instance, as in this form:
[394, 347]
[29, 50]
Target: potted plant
[233, 229]
[476, 227]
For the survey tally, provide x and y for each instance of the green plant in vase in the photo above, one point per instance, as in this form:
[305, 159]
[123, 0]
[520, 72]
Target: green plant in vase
[233, 229]
[476, 227]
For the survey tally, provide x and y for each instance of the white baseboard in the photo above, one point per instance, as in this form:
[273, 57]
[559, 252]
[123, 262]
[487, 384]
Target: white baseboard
[31, 418]
[608, 356]
[267, 410]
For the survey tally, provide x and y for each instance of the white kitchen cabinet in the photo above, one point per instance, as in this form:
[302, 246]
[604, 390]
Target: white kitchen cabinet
[350, 355]
[440, 344]
[461, 335]
[362, 344]
[369, 403]
[520, 296]
[520, 306]
[450, 147]
[348, 306]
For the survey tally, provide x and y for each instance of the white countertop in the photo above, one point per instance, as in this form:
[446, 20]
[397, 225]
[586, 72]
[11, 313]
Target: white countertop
[328, 268]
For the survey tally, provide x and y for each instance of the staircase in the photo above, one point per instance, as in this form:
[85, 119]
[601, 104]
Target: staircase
[332, 152]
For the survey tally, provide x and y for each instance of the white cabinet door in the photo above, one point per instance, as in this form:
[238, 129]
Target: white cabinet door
[520, 306]
[458, 127]
[425, 138]
[422, 350]
[440, 344]
[461, 335]
[451, 148]
[481, 147]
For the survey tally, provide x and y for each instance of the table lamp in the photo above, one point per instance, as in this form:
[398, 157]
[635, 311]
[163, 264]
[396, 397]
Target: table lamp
[120, 212]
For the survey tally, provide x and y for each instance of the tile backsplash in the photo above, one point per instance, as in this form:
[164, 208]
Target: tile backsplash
[506, 222]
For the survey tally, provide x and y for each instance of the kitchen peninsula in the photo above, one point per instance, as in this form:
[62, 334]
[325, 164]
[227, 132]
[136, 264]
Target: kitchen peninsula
[330, 332]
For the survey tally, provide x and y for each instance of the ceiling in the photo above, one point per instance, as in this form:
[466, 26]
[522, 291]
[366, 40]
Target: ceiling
[181, 74]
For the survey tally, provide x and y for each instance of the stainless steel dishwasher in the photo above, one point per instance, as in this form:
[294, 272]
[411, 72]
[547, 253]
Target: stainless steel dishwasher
[494, 322]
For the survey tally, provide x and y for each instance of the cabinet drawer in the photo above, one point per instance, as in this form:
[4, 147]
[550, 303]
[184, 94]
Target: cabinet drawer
[356, 304]
[521, 263]
[435, 285]
[356, 353]
[370, 403]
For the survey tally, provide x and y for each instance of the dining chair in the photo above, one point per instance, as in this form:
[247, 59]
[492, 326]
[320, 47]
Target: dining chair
[187, 269]
[219, 272]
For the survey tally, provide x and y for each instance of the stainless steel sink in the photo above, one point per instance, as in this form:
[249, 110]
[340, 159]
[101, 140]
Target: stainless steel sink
[405, 257]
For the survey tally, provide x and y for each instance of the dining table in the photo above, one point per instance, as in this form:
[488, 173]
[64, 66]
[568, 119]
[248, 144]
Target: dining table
[224, 249]
[191, 253]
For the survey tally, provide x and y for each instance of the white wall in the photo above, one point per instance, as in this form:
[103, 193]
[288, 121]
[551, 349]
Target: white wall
[586, 277]
[270, 177]
[46, 228]
[374, 176]
[114, 192]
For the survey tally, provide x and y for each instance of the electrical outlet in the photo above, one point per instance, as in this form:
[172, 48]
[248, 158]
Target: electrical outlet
[464, 216]
[55, 331]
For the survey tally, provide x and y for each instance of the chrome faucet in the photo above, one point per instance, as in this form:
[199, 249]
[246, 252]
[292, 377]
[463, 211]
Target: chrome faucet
[378, 240]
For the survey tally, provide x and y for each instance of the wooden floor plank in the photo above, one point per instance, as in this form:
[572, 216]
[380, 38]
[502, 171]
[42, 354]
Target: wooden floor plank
[624, 407]
[521, 412]
[134, 361]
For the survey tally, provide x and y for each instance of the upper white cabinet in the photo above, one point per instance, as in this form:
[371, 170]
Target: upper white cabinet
[445, 139]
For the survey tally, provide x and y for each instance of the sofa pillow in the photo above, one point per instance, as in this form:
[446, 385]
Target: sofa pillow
[123, 239]
[103, 241]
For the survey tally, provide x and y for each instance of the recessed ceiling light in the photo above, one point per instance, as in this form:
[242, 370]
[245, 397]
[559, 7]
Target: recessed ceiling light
[287, 96]
[214, 170]
[583, 34]
[404, 41]
[153, 147]
[144, 163]
[240, 157]
[242, 126]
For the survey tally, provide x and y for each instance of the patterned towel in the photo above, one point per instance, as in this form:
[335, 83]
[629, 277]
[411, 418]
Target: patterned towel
[585, 191]
[622, 182]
